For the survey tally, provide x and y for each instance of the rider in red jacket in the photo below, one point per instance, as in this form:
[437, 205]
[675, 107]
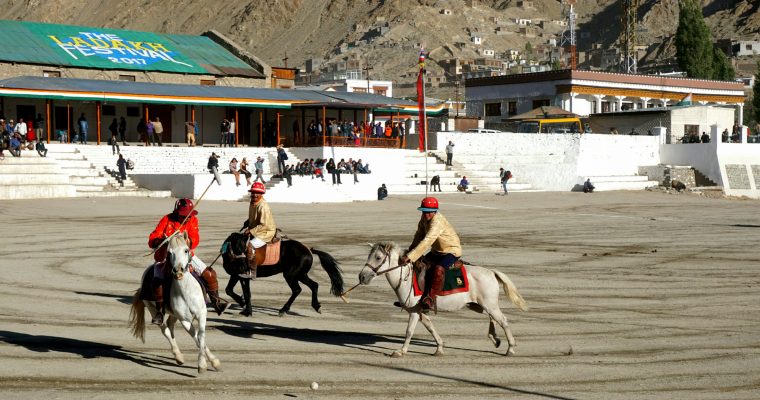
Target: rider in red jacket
[169, 224]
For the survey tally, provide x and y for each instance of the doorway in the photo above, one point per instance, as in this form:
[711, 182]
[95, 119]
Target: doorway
[164, 113]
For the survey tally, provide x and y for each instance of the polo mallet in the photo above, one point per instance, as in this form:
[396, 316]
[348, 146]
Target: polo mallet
[344, 294]
[224, 248]
[216, 179]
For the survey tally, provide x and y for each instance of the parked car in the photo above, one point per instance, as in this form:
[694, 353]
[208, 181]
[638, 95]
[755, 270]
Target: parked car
[481, 130]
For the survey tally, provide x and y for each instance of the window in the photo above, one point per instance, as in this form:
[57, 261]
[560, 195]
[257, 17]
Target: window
[512, 108]
[540, 103]
[493, 109]
[51, 74]
[749, 47]
[208, 82]
[133, 111]
[109, 110]
[128, 78]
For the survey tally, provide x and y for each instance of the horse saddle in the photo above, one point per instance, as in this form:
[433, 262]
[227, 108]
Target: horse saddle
[455, 281]
[269, 254]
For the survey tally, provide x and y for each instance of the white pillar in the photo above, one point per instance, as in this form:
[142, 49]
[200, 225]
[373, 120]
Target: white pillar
[740, 107]
[598, 98]
[572, 100]
[664, 102]
[645, 101]
[619, 103]
[635, 105]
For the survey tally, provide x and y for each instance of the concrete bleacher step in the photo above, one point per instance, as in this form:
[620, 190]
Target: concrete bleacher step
[37, 191]
[619, 182]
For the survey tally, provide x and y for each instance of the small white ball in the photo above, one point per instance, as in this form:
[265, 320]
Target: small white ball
[314, 386]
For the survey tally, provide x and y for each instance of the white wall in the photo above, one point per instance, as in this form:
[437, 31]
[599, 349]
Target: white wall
[557, 161]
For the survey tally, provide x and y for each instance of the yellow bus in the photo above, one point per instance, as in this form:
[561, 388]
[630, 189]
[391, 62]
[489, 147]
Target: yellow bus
[550, 125]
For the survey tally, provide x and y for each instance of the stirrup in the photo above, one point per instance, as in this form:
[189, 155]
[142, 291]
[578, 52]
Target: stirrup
[220, 306]
[158, 319]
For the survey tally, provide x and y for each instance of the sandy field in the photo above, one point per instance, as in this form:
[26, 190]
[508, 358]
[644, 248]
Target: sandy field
[632, 295]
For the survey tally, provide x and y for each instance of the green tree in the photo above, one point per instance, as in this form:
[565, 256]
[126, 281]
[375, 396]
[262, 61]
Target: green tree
[694, 48]
[722, 68]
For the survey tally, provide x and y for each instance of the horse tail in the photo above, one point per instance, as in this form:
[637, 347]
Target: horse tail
[333, 271]
[137, 317]
[511, 290]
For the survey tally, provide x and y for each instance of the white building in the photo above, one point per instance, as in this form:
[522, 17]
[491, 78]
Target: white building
[589, 92]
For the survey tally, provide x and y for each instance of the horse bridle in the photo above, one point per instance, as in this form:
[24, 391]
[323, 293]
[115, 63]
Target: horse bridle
[386, 258]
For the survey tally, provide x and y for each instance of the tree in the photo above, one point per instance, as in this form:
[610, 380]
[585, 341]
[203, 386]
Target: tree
[694, 48]
[722, 68]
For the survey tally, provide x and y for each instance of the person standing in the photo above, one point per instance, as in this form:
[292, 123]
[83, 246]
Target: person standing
[434, 232]
[261, 227]
[123, 130]
[83, 128]
[122, 164]
[190, 133]
[224, 128]
[114, 143]
[158, 131]
[231, 134]
[234, 170]
[449, 153]
[281, 157]
[39, 122]
[244, 170]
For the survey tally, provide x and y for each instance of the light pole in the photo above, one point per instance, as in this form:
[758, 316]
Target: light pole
[366, 69]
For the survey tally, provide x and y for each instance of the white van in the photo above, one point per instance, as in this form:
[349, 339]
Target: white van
[481, 130]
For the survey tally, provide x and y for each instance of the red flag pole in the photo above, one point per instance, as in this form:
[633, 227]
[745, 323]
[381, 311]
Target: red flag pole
[423, 113]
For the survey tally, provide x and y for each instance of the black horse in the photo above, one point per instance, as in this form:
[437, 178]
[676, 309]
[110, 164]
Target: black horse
[295, 263]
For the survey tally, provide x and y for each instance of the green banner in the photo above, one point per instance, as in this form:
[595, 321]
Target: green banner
[114, 49]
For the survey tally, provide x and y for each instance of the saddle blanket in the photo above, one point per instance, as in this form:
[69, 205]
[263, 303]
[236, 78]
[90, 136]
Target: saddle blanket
[455, 281]
[272, 254]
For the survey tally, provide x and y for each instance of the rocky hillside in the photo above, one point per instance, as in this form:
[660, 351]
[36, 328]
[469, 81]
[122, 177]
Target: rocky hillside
[336, 29]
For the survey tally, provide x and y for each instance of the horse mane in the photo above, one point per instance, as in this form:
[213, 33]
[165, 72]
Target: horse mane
[386, 246]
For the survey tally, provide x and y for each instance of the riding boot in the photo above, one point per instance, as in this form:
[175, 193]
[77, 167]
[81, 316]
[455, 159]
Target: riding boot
[212, 286]
[250, 255]
[158, 297]
[434, 289]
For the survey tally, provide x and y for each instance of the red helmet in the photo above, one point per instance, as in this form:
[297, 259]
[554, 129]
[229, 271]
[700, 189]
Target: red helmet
[428, 204]
[258, 187]
[183, 207]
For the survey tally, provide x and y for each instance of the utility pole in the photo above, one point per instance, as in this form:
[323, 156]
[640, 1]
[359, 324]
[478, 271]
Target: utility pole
[629, 17]
[366, 70]
[568, 36]
[285, 60]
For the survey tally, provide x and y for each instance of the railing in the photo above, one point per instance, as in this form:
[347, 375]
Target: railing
[343, 141]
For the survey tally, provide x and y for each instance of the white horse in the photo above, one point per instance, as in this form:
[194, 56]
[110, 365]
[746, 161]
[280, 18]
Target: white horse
[483, 295]
[186, 304]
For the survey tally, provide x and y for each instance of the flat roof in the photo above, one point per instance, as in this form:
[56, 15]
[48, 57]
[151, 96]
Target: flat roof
[104, 48]
[167, 93]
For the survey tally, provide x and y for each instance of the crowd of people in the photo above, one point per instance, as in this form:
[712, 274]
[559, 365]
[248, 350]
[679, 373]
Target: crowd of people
[22, 135]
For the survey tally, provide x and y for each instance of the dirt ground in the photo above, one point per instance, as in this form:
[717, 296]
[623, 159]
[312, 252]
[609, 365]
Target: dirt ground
[632, 295]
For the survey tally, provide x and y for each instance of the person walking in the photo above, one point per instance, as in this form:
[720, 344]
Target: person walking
[259, 166]
[449, 153]
[122, 164]
[39, 122]
[505, 176]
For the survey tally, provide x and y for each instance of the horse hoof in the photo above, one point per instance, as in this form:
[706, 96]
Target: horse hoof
[281, 313]
[397, 354]
[179, 360]
[511, 351]
[246, 313]
[319, 310]
[438, 353]
[201, 370]
[217, 365]
[498, 343]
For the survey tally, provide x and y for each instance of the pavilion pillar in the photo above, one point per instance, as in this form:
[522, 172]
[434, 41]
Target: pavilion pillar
[97, 119]
[278, 128]
[598, 108]
[261, 128]
[237, 127]
[324, 125]
[47, 118]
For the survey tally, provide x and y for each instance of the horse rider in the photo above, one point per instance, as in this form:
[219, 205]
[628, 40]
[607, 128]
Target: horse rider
[434, 232]
[261, 227]
[169, 224]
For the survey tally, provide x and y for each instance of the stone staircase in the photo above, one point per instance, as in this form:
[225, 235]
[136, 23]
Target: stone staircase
[481, 173]
[33, 177]
[95, 175]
